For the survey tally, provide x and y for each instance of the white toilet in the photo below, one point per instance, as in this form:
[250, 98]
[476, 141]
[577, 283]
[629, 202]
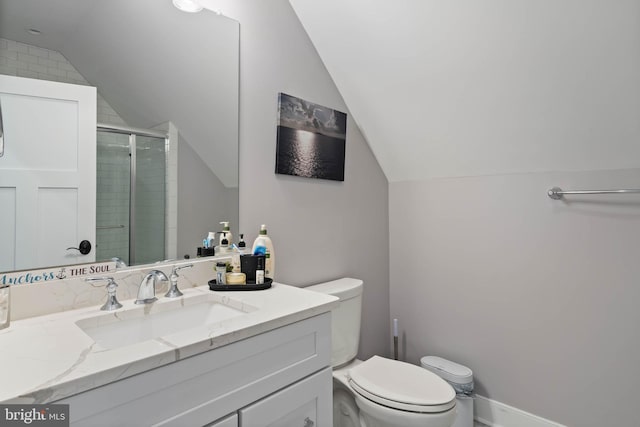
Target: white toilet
[379, 392]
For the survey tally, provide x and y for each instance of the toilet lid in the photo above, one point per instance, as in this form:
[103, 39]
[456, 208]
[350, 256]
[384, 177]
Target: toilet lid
[401, 385]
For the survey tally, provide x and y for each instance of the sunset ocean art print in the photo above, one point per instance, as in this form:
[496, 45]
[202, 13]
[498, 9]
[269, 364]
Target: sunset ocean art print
[311, 139]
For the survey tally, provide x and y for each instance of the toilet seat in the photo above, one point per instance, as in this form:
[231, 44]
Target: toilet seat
[401, 386]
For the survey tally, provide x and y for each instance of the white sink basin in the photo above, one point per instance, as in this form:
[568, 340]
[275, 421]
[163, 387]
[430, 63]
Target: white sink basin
[142, 323]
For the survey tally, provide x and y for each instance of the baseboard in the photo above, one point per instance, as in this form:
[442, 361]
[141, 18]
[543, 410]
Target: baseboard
[496, 414]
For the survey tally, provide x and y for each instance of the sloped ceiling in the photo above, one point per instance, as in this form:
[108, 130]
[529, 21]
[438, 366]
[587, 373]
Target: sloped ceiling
[151, 62]
[457, 88]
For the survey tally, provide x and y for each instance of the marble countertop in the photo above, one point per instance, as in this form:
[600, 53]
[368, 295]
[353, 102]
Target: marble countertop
[47, 358]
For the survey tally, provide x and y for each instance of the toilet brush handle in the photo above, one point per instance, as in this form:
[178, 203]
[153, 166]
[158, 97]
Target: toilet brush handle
[395, 339]
[395, 348]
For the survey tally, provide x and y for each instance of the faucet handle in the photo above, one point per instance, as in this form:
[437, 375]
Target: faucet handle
[176, 269]
[174, 292]
[112, 302]
[99, 279]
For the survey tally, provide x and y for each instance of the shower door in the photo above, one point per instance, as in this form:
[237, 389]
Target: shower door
[150, 199]
[131, 196]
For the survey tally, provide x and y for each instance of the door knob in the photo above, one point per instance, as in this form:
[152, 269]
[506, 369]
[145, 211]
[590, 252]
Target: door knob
[84, 247]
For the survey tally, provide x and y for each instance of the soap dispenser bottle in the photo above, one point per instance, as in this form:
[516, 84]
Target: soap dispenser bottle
[242, 246]
[263, 246]
[228, 235]
[224, 244]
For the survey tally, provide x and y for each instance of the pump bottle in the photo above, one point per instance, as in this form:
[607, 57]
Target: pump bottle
[224, 244]
[263, 246]
[228, 235]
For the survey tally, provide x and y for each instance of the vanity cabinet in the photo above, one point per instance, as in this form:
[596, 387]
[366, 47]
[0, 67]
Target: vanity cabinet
[277, 378]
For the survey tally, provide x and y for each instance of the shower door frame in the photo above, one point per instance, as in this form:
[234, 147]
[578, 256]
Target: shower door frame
[133, 132]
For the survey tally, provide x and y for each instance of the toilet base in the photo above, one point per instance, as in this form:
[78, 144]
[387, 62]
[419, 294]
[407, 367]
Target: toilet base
[345, 410]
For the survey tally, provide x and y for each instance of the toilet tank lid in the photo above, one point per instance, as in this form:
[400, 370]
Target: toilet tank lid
[344, 288]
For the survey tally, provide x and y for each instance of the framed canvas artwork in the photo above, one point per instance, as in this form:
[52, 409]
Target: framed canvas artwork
[310, 140]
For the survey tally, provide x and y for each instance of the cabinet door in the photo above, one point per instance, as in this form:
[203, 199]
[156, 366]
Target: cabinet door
[307, 403]
[230, 421]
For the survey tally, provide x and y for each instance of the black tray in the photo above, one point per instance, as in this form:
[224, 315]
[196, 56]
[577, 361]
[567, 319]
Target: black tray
[248, 287]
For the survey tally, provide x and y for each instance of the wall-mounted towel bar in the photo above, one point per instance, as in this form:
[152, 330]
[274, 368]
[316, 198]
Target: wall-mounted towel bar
[556, 193]
[108, 227]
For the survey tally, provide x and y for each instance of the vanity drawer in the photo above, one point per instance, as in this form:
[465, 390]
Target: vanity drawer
[208, 386]
[307, 403]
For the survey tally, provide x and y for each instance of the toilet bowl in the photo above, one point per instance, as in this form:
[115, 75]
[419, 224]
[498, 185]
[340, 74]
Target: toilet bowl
[379, 392]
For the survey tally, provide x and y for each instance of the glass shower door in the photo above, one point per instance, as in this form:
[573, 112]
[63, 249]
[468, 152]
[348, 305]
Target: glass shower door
[131, 197]
[150, 199]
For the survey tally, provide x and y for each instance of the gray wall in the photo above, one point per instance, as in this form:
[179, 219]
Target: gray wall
[321, 230]
[203, 201]
[538, 297]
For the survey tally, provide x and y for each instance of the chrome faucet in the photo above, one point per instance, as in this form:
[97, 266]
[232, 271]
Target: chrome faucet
[147, 289]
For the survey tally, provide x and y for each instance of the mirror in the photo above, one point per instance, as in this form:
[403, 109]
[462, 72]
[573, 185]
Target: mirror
[155, 68]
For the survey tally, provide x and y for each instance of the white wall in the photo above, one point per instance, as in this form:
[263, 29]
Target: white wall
[321, 229]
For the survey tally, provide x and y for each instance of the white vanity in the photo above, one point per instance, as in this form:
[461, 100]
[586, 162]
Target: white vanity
[240, 359]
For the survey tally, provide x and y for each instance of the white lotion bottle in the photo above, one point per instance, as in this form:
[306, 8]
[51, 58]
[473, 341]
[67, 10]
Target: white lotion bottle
[264, 246]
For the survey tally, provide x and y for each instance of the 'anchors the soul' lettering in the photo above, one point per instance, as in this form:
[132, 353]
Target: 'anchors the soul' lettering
[26, 278]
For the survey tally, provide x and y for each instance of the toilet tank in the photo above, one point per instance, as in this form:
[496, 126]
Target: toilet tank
[345, 320]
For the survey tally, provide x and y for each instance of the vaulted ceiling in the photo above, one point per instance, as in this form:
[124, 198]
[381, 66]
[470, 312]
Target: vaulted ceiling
[457, 88]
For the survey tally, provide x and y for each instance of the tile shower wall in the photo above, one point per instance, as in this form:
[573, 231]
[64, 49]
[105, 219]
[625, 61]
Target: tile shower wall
[112, 213]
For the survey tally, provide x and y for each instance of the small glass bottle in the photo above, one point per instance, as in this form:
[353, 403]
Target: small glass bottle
[242, 246]
[221, 273]
[260, 271]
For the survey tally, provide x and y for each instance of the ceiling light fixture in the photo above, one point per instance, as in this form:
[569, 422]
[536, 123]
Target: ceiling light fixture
[190, 6]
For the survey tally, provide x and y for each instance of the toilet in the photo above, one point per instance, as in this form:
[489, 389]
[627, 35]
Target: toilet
[379, 392]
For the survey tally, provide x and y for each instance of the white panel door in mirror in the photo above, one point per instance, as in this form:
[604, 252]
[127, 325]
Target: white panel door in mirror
[59, 122]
